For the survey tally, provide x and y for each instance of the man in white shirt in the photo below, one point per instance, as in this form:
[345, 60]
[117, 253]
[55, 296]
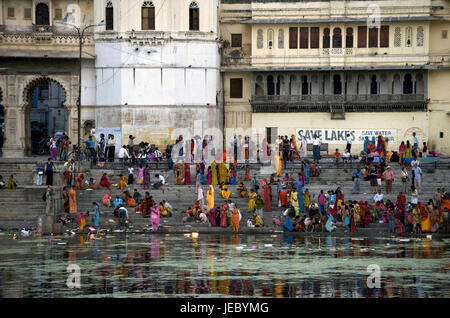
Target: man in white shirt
[417, 178]
[378, 197]
[123, 155]
[416, 142]
[316, 148]
[346, 156]
[349, 143]
[160, 181]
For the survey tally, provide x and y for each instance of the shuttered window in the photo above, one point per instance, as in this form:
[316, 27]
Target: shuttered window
[326, 38]
[293, 38]
[384, 36]
[362, 36]
[373, 37]
[148, 18]
[314, 38]
[236, 88]
[304, 38]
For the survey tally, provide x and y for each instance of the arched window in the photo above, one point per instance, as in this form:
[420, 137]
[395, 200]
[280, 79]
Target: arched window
[407, 84]
[280, 38]
[270, 38]
[42, 15]
[408, 36]
[259, 39]
[373, 85]
[194, 23]
[337, 38]
[148, 16]
[349, 38]
[420, 36]
[420, 88]
[326, 38]
[337, 85]
[109, 16]
[270, 85]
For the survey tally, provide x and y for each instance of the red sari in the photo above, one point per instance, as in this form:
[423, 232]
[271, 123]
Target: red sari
[105, 182]
[283, 198]
[187, 174]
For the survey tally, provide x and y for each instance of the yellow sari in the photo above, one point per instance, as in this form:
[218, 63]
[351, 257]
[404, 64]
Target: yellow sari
[210, 198]
[280, 165]
[252, 201]
[122, 183]
[222, 172]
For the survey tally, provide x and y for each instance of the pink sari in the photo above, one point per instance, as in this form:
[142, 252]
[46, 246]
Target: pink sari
[154, 217]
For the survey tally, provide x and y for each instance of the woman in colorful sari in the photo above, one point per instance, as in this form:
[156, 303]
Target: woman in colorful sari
[380, 146]
[79, 180]
[252, 200]
[434, 220]
[105, 182]
[96, 215]
[212, 217]
[235, 219]
[225, 193]
[247, 173]
[202, 172]
[154, 218]
[146, 181]
[301, 201]
[222, 173]
[307, 173]
[303, 148]
[279, 163]
[148, 205]
[401, 152]
[294, 202]
[224, 215]
[214, 180]
[242, 190]
[66, 204]
[122, 184]
[234, 176]
[210, 198]
[228, 177]
[187, 174]
[209, 176]
[72, 201]
[140, 176]
[267, 198]
[346, 218]
[106, 200]
[425, 219]
[408, 150]
[366, 143]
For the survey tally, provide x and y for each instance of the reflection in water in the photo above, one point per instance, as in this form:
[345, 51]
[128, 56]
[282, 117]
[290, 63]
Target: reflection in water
[223, 265]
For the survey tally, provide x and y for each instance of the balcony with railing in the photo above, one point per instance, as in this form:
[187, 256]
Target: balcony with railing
[350, 103]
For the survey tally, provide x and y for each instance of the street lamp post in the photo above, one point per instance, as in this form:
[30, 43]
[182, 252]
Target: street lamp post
[80, 32]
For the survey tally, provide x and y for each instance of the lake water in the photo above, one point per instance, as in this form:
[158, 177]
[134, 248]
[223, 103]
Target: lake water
[177, 265]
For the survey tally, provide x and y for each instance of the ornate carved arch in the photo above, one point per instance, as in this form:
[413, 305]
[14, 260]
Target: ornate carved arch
[28, 91]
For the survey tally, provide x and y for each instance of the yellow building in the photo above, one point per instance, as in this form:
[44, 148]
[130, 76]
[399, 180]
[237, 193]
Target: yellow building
[338, 67]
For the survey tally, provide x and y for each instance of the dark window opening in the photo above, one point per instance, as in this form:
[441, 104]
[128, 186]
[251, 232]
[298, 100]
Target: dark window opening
[236, 40]
[373, 85]
[193, 19]
[349, 38]
[270, 85]
[236, 88]
[407, 84]
[109, 18]
[42, 15]
[304, 85]
[337, 85]
[337, 38]
[326, 38]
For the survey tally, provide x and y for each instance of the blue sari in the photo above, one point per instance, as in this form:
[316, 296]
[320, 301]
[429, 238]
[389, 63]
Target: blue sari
[366, 143]
[288, 224]
[96, 216]
[301, 202]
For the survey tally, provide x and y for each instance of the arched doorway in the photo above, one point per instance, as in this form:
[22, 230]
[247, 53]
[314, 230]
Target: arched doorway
[42, 14]
[45, 114]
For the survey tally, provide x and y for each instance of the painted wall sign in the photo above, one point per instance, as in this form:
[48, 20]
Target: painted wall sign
[339, 136]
